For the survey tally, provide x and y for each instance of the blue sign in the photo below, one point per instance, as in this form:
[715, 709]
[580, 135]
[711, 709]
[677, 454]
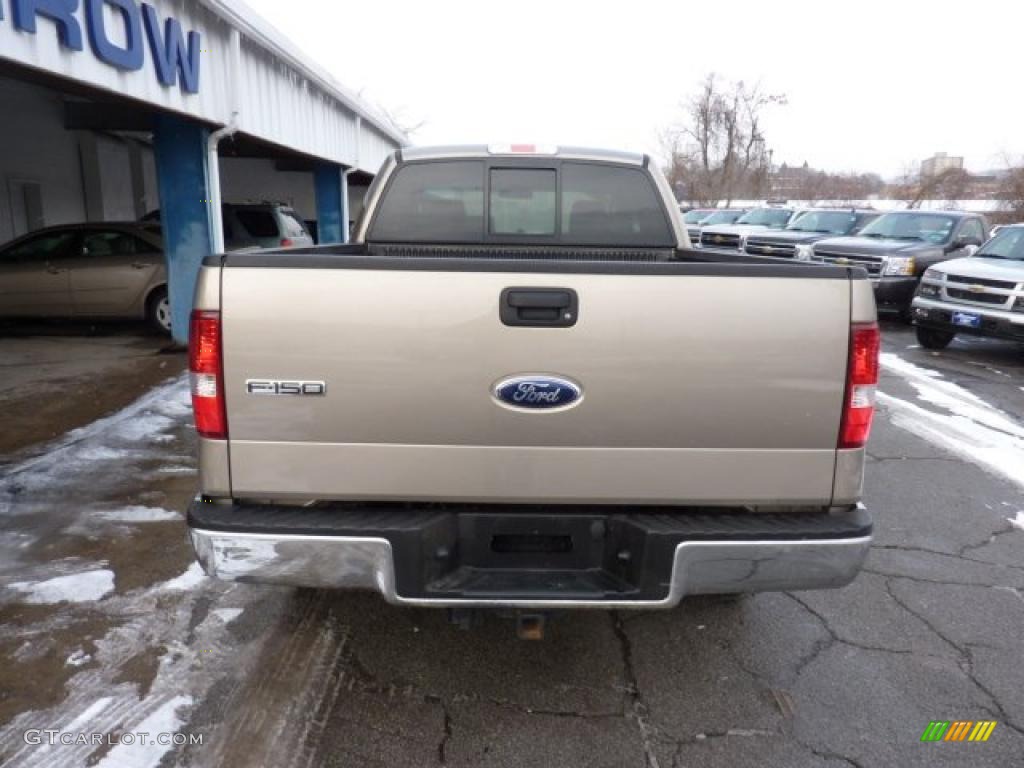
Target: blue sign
[172, 56]
[537, 392]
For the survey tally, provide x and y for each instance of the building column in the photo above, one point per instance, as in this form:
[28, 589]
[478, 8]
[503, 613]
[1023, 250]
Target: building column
[180, 150]
[331, 217]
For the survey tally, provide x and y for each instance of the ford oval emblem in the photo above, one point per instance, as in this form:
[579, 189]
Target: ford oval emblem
[537, 392]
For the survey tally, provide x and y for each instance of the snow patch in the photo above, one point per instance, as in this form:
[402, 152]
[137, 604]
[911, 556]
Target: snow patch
[227, 615]
[75, 588]
[147, 753]
[1018, 521]
[970, 428]
[77, 659]
[138, 514]
[90, 713]
[190, 579]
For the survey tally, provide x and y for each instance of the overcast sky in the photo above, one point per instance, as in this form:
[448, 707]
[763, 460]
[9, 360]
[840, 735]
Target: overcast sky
[872, 86]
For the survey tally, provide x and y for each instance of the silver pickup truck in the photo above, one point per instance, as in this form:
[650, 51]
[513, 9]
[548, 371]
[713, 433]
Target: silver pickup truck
[518, 387]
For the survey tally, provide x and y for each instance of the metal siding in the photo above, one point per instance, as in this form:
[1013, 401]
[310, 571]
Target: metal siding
[287, 102]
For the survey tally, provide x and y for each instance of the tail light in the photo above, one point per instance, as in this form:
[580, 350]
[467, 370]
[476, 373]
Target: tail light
[206, 372]
[287, 242]
[861, 382]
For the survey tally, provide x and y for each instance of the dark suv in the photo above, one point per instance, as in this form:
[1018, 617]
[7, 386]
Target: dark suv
[898, 247]
[796, 239]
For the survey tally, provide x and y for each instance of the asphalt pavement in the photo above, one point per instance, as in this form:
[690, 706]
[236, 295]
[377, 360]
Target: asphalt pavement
[107, 625]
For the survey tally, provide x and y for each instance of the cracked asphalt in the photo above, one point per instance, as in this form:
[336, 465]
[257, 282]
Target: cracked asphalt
[933, 629]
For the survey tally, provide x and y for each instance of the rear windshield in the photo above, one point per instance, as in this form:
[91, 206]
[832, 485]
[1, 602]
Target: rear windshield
[258, 222]
[568, 203]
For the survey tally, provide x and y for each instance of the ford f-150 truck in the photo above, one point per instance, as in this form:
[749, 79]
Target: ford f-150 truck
[518, 387]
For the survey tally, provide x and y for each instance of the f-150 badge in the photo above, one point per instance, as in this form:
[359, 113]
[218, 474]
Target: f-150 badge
[537, 392]
[273, 387]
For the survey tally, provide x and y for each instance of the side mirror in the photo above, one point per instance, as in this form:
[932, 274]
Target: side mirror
[971, 249]
[966, 242]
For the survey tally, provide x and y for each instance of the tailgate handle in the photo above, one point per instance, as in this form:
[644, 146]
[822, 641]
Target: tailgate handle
[539, 307]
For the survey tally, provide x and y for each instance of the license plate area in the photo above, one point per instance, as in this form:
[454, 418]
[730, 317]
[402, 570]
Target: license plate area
[967, 319]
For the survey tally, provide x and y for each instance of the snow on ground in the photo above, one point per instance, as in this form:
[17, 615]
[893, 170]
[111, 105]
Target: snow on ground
[138, 514]
[96, 482]
[76, 588]
[1018, 521]
[147, 753]
[964, 423]
[190, 579]
[101, 464]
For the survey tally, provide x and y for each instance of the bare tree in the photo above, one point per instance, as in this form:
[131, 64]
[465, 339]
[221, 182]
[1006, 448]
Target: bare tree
[719, 151]
[916, 187]
[1011, 192]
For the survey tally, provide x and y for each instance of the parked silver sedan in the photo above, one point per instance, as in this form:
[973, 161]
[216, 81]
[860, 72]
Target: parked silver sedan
[100, 270]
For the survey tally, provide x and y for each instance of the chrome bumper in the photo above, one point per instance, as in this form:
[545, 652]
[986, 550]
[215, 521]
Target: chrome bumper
[699, 567]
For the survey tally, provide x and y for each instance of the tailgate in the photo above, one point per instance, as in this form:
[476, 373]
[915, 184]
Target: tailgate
[700, 383]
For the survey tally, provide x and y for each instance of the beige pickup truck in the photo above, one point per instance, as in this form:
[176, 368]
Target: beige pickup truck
[518, 387]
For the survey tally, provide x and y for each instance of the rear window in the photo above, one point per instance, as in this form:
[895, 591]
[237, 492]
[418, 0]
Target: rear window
[258, 222]
[523, 201]
[570, 203]
[433, 203]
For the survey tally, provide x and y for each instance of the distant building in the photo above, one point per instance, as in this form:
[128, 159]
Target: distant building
[940, 163]
[788, 182]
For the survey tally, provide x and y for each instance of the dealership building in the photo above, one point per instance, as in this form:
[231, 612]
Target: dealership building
[114, 109]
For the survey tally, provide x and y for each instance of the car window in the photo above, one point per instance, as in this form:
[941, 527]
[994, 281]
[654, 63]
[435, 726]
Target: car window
[110, 243]
[723, 217]
[523, 201]
[291, 224]
[52, 245]
[258, 222]
[1007, 244]
[695, 216]
[773, 218]
[611, 205]
[904, 225]
[825, 222]
[973, 230]
[576, 203]
[433, 202]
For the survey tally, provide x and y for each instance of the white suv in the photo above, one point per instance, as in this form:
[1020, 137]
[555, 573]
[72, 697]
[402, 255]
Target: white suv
[982, 295]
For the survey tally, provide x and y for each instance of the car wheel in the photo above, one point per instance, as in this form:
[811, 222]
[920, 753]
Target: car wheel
[929, 338]
[158, 311]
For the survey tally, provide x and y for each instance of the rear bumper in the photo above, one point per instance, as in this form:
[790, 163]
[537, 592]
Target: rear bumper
[507, 557]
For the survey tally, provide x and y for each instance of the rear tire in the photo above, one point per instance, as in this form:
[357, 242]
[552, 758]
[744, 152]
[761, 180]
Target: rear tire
[158, 311]
[929, 338]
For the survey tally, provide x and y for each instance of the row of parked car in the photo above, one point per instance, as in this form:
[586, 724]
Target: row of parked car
[117, 269]
[937, 269]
